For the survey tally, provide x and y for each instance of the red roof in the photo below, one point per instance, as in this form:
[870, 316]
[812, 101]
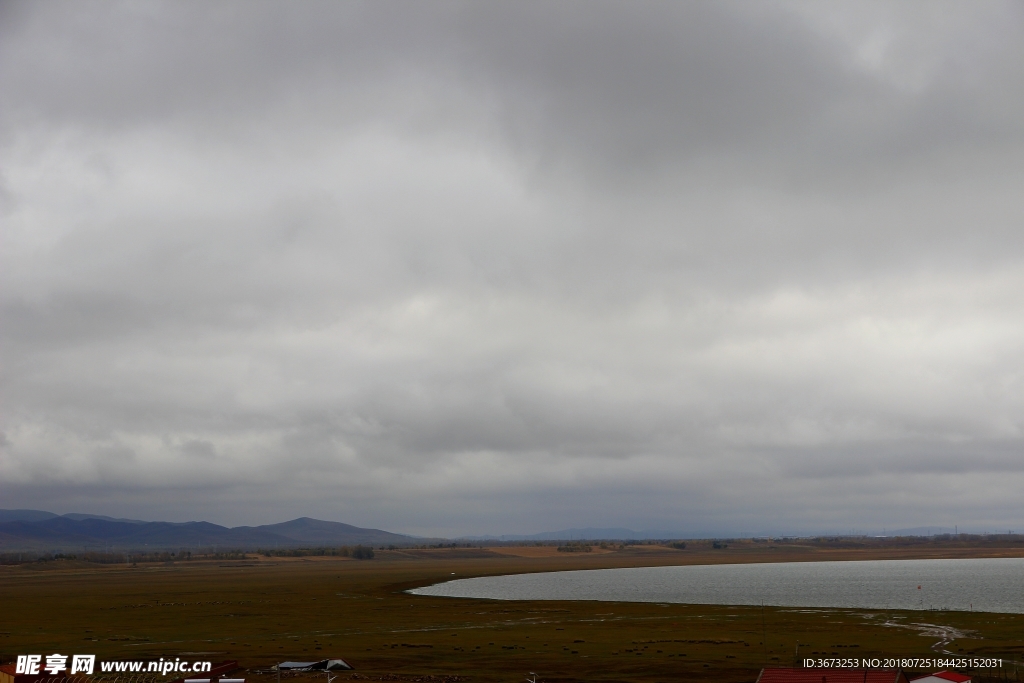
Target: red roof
[951, 676]
[832, 676]
[9, 674]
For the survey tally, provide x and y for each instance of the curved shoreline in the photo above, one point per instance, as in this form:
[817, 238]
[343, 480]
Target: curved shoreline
[992, 585]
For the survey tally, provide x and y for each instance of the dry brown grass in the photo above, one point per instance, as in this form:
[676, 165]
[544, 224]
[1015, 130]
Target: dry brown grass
[543, 551]
[264, 610]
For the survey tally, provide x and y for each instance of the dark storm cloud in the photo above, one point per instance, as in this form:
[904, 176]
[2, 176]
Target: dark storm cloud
[460, 267]
[623, 86]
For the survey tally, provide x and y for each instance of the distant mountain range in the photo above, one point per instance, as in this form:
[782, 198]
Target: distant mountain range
[585, 534]
[40, 515]
[620, 534]
[41, 531]
[37, 530]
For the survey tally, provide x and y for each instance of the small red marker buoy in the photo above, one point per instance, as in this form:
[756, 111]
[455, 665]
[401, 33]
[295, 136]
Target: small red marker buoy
[918, 588]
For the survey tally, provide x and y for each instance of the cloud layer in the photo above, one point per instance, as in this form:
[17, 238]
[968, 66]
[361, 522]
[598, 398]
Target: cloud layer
[460, 268]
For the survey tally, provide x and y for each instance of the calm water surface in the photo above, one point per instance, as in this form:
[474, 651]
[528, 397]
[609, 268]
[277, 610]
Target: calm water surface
[986, 585]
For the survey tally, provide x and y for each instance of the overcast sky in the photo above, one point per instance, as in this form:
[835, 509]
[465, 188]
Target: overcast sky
[507, 267]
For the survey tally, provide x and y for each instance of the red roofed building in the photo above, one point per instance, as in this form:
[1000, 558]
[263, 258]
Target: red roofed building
[8, 675]
[834, 676]
[943, 677]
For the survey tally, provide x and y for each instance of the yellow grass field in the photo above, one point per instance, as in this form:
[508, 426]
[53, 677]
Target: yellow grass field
[263, 610]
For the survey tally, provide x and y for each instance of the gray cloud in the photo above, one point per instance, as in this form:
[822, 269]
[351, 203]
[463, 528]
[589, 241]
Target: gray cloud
[456, 268]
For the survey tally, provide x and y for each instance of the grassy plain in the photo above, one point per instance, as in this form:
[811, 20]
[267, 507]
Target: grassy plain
[264, 610]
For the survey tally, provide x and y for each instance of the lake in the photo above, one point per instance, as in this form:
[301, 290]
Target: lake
[985, 585]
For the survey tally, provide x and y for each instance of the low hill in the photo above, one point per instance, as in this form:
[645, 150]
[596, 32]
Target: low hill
[25, 515]
[310, 531]
[40, 515]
